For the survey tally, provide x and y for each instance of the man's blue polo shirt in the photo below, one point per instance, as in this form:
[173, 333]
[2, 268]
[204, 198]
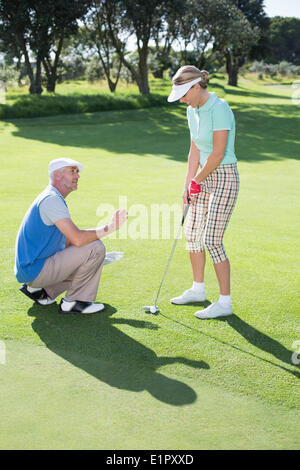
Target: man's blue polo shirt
[36, 241]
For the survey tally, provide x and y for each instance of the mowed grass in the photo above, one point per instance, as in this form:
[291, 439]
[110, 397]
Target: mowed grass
[127, 380]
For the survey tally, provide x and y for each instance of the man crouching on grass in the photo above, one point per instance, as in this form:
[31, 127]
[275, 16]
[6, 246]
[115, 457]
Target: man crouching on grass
[53, 255]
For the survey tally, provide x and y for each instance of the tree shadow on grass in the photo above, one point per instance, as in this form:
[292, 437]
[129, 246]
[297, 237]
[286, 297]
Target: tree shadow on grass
[264, 132]
[96, 345]
[267, 132]
[253, 94]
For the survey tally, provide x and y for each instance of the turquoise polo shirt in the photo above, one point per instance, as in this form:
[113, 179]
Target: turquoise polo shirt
[214, 115]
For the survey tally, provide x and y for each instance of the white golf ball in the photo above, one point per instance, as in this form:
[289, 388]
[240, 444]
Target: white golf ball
[152, 309]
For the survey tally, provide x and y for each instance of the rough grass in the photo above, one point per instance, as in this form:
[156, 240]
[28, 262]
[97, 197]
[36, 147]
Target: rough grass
[83, 97]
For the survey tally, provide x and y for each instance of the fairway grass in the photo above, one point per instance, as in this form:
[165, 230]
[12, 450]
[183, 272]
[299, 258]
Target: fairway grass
[127, 380]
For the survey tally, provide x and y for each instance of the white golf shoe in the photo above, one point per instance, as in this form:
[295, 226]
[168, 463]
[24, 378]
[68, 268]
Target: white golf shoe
[214, 310]
[78, 306]
[39, 295]
[189, 296]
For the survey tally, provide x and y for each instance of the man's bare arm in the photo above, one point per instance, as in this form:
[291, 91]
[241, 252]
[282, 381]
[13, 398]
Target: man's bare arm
[75, 236]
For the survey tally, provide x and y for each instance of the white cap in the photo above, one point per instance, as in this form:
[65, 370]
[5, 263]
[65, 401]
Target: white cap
[63, 162]
[178, 91]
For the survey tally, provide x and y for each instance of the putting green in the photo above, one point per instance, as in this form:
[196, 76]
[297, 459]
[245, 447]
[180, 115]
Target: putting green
[48, 403]
[127, 380]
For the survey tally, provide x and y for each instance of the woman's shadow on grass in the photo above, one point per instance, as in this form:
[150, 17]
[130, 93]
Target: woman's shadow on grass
[94, 344]
[252, 335]
[263, 342]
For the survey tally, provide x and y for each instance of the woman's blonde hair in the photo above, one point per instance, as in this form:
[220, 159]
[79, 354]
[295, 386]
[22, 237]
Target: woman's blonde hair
[188, 73]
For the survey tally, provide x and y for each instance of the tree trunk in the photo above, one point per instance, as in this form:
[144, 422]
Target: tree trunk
[232, 68]
[51, 83]
[158, 73]
[28, 66]
[233, 76]
[51, 70]
[143, 85]
[51, 75]
[106, 67]
[140, 76]
[142, 81]
[113, 84]
[36, 86]
[35, 81]
[38, 77]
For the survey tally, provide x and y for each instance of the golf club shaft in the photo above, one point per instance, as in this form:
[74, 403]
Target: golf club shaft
[173, 248]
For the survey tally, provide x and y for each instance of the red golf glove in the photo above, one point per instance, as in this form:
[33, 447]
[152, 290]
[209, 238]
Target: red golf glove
[194, 188]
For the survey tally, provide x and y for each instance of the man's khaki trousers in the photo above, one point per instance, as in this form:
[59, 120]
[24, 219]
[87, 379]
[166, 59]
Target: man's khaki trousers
[76, 270]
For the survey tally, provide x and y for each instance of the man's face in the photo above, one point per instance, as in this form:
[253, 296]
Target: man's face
[70, 178]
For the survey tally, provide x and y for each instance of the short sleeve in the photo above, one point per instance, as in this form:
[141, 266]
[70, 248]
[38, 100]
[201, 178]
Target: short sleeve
[53, 209]
[192, 122]
[222, 117]
[188, 118]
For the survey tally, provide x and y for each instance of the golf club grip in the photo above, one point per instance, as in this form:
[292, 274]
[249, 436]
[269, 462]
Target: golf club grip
[185, 212]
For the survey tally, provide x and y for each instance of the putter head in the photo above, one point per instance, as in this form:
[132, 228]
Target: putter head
[151, 308]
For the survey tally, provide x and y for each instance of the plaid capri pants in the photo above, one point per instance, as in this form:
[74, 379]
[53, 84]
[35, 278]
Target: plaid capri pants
[210, 213]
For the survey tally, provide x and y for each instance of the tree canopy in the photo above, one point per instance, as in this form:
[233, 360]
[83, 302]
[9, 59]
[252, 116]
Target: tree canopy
[206, 31]
[283, 40]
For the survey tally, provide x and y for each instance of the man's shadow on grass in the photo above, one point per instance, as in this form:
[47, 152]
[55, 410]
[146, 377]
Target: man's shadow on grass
[95, 344]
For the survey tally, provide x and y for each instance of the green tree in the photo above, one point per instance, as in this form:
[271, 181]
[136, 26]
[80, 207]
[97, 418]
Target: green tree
[164, 34]
[283, 40]
[195, 32]
[15, 34]
[159, 60]
[73, 60]
[37, 29]
[96, 35]
[142, 20]
[247, 28]
[219, 30]
[257, 17]
[60, 19]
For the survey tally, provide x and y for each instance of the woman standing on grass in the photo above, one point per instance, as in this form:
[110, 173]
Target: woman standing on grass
[213, 190]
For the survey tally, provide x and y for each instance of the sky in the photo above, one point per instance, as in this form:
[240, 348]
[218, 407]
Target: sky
[282, 8]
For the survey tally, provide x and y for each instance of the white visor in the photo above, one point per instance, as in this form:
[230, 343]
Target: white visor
[178, 91]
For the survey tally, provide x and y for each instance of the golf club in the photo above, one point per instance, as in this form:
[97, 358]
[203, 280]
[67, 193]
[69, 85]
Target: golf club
[154, 308]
